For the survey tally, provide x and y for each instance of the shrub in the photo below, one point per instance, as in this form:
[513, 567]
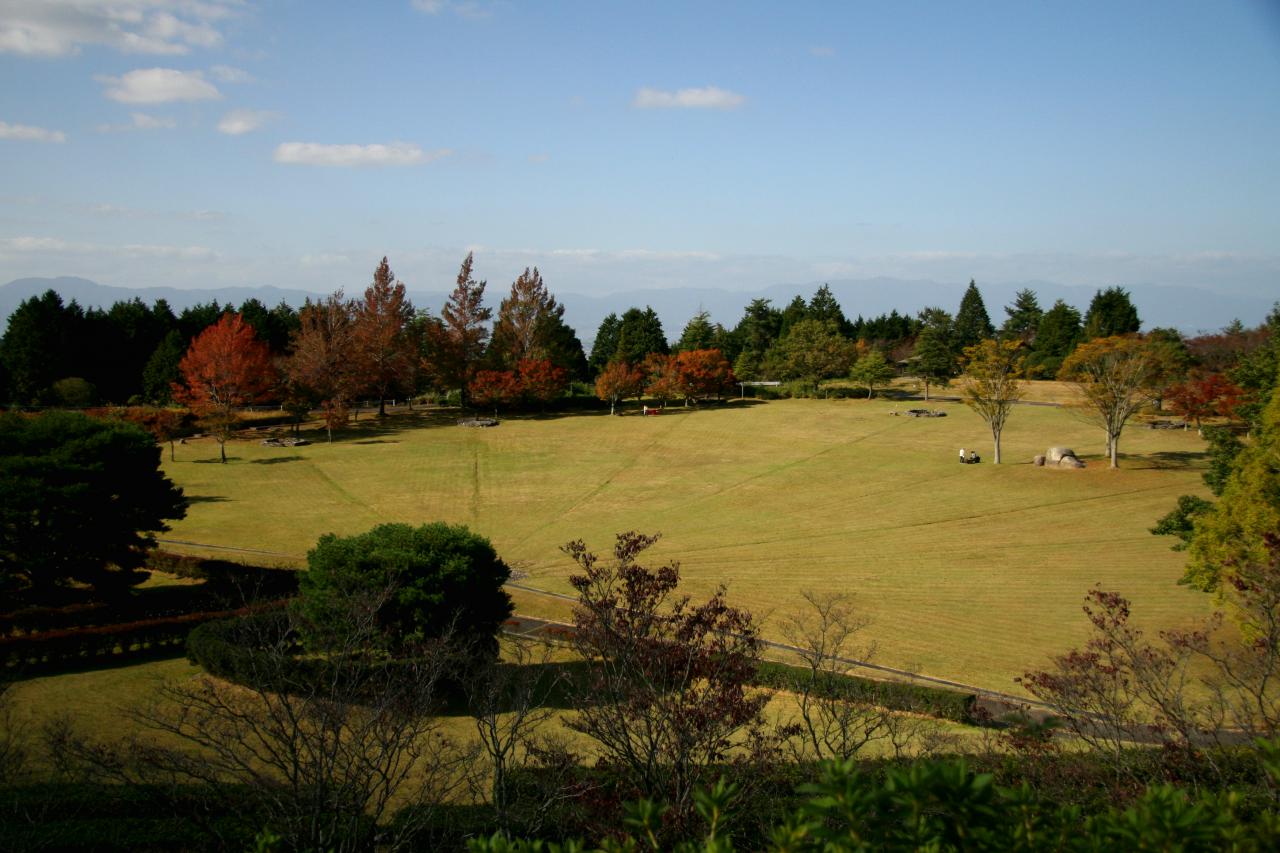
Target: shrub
[422, 583]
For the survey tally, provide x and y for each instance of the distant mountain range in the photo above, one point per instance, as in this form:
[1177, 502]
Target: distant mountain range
[1189, 309]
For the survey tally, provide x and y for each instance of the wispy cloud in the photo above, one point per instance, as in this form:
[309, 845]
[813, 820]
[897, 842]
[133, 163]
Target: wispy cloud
[238, 122]
[159, 86]
[393, 154]
[707, 98]
[28, 133]
[472, 9]
[227, 74]
[140, 121]
[55, 245]
[62, 27]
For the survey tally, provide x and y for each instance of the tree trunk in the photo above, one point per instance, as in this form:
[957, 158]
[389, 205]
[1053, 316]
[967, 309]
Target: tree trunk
[222, 446]
[1113, 450]
[382, 407]
[612, 404]
[996, 459]
[172, 458]
[926, 390]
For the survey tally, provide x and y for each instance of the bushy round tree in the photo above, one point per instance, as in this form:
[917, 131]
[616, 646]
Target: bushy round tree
[416, 584]
[80, 498]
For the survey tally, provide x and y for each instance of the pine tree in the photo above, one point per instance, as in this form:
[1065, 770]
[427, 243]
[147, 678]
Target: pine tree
[1056, 336]
[972, 324]
[639, 334]
[605, 346]
[699, 333]
[935, 353]
[522, 323]
[1111, 312]
[1024, 317]
[824, 308]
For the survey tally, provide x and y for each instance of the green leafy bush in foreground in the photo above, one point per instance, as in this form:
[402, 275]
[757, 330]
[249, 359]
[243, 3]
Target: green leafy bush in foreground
[944, 806]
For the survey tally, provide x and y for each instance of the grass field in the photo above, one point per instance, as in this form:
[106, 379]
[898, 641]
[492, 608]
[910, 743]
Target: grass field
[969, 572]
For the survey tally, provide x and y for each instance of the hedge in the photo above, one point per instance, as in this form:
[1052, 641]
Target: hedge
[50, 650]
[934, 701]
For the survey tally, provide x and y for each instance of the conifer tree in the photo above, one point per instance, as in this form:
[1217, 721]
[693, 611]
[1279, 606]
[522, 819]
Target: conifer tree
[1023, 319]
[972, 324]
[384, 347]
[463, 333]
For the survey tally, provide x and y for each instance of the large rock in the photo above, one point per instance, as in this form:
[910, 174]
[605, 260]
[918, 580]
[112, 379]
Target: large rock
[1070, 462]
[1054, 454]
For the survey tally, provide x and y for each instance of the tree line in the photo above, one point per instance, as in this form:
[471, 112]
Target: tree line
[379, 345]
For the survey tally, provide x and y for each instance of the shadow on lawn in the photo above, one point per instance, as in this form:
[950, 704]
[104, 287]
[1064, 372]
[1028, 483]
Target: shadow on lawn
[1173, 459]
[275, 460]
[206, 499]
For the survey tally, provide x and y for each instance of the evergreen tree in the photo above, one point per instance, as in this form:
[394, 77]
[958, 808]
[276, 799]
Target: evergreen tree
[1056, 336]
[640, 333]
[383, 348]
[1024, 317]
[605, 346]
[972, 324]
[563, 347]
[824, 308]
[795, 311]
[699, 333]
[759, 327]
[1111, 313]
[935, 354]
[195, 319]
[161, 369]
[39, 344]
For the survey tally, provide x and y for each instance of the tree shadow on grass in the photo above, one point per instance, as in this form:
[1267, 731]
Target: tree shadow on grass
[275, 460]
[206, 499]
[215, 460]
[1172, 459]
[560, 685]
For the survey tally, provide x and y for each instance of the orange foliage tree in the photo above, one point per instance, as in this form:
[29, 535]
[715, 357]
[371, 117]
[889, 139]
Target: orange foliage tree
[542, 381]
[225, 368]
[383, 343]
[1114, 376]
[323, 366]
[460, 336]
[662, 379]
[495, 388]
[619, 381]
[1211, 396]
[703, 373]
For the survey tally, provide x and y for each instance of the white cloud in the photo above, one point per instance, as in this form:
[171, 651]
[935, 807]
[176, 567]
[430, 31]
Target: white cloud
[62, 27]
[707, 98]
[159, 86]
[227, 74]
[470, 9]
[238, 122]
[394, 154]
[46, 245]
[28, 133]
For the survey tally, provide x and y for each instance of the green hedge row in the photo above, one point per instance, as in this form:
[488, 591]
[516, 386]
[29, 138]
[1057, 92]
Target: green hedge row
[54, 650]
[934, 701]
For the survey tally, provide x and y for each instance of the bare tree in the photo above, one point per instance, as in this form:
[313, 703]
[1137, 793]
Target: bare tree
[510, 700]
[838, 715]
[324, 747]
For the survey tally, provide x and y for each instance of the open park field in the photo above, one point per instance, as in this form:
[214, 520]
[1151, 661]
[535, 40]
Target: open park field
[968, 572]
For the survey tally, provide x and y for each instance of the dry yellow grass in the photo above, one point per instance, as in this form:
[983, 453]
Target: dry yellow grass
[970, 572]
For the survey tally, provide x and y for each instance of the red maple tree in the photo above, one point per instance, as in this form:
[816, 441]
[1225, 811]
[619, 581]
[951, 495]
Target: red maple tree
[323, 367]
[226, 368]
[542, 380]
[495, 388]
[1211, 396]
[619, 381]
[704, 373]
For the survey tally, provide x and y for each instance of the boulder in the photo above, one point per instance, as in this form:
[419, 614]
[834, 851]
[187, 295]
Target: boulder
[1070, 462]
[1038, 462]
[1055, 454]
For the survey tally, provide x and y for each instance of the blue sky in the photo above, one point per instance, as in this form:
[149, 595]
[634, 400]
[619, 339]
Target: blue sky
[621, 146]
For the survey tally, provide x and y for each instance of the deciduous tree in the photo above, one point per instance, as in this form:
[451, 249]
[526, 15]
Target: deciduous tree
[617, 382]
[703, 373]
[1207, 397]
[871, 371]
[541, 381]
[495, 389]
[669, 697]
[463, 333]
[994, 372]
[384, 348]
[225, 368]
[520, 331]
[324, 365]
[1113, 376]
[662, 378]
[812, 350]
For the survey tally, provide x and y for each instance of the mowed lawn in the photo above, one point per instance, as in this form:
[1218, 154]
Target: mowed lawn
[970, 572]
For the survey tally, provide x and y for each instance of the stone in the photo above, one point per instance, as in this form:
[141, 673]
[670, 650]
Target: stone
[1055, 454]
[1038, 461]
